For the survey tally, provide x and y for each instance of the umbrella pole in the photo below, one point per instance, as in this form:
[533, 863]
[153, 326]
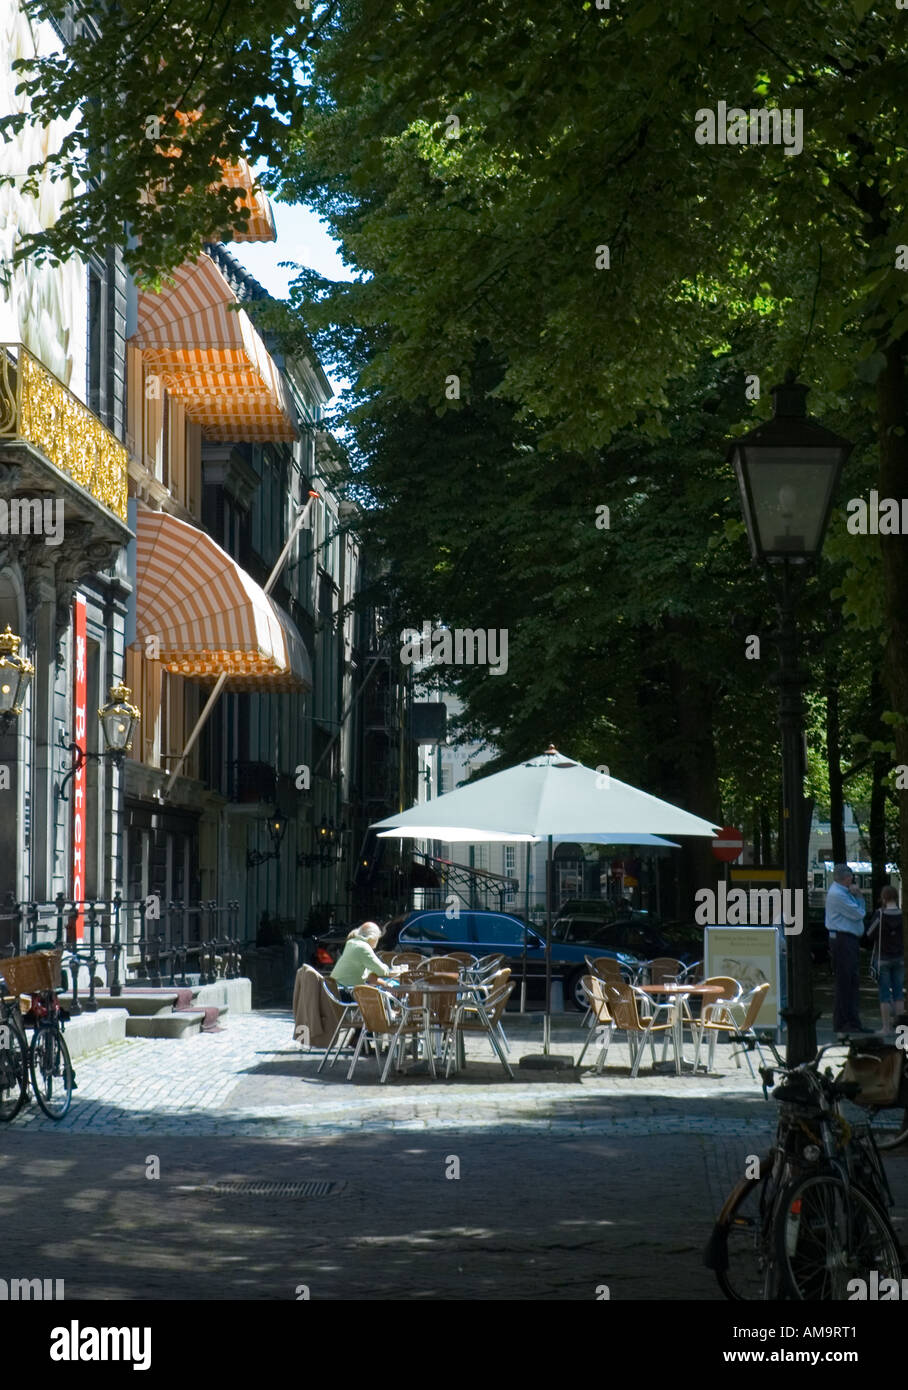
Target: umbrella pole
[547, 1025]
[526, 918]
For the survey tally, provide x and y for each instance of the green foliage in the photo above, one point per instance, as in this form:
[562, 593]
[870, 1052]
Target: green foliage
[234, 73]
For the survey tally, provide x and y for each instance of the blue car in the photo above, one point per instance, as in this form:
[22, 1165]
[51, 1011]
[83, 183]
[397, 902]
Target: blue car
[483, 933]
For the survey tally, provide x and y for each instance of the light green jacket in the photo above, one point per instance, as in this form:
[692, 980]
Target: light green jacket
[355, 962]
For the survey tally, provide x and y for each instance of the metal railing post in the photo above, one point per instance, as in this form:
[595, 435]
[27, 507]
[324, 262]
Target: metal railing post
[169, 948]
[142, 967]
[116, 988]
[60, 903]
[92, 1003]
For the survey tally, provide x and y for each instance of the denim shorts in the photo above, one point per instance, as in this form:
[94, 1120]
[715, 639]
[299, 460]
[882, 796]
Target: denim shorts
[892, 979]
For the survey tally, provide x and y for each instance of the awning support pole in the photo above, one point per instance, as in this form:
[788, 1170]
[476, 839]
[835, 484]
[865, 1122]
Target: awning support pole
[221, 680]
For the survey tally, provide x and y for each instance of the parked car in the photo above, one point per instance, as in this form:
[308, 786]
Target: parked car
[483, 932]
[634, 931]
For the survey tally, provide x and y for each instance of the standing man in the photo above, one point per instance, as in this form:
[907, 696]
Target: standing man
[845, 924]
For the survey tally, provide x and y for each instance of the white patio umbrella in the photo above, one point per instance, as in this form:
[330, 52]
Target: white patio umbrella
[546, 797]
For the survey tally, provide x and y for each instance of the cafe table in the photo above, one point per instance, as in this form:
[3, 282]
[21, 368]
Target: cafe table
[678, 993]
[441, 984]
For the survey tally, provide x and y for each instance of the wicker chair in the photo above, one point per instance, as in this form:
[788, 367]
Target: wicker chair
[664, 968]
[411, 958]
[734, 1016]
[466, 960]
[594, 989]
[623, 1007]
[444, 965]
[350, 1018]
[467, 1019]
[386, 1017]
[606, 967]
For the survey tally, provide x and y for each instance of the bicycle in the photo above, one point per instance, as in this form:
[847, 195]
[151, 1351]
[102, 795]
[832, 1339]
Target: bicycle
[814, 1216]
[13, 1060]
[50, 1067]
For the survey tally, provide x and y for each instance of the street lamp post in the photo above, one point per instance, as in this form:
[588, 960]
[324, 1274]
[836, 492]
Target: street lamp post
[787, 471]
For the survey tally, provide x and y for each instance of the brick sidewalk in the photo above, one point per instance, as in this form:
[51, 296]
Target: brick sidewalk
[564, 1184]
[253, 1077]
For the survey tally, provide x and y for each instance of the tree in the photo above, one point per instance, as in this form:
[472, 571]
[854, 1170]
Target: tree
[156, 100]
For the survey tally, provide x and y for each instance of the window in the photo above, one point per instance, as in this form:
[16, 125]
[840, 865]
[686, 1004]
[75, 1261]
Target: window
[510, 869]
[97, 342]
[436, 927]
[494, 929]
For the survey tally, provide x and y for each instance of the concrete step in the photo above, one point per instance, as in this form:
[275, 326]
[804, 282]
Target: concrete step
[89, 1032]
[182, 1025]
[150, 1004]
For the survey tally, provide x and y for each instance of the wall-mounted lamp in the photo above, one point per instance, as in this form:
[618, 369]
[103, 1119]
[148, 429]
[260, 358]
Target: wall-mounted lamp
[119, 719]
[277, 829]
[330, 845]
[16, 674]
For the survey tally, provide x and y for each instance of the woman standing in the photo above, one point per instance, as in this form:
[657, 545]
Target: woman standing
[889, 956]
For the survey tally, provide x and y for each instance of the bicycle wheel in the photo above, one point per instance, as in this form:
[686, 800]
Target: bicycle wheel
[51, 1071]
[13, 1072]
[827, 1234]
[741, 1248]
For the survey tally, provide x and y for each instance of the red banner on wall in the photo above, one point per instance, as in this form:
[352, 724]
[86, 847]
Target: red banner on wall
[80, 733]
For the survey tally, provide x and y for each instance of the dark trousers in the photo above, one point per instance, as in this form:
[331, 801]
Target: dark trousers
[845, 951]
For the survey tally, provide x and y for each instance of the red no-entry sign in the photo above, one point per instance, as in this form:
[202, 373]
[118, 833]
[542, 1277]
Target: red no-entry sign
[728, 844]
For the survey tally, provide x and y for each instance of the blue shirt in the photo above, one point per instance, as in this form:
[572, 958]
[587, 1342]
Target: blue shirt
[843, 912]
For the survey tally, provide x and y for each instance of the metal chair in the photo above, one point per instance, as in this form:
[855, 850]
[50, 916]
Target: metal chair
[487, 965]
[467, 961]
[727, 1021]
[623, 1006]
[349, 1019]
[445, 965]
[711, 1009]
[468, 1019]
[664, 969]
[387, 1017]
[594, 989]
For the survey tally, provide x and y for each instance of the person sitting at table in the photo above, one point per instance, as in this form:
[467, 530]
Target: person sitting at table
[358, 964]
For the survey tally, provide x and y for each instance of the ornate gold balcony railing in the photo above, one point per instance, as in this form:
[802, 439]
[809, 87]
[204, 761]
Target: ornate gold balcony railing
[37, 409]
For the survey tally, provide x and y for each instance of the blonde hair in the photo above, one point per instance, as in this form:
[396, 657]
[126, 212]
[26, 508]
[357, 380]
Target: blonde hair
[367, 931]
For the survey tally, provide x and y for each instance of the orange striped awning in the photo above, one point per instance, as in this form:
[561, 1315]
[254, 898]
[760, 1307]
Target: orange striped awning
[209, 616]
[260, 226]
[209, 356]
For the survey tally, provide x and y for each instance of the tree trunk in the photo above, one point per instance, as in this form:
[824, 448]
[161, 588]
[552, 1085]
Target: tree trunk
[769, 855]
[696, 775]
[893, 482]
[834, 764]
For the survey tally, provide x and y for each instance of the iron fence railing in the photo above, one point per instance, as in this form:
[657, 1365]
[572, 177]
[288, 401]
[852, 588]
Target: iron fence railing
[146, 941]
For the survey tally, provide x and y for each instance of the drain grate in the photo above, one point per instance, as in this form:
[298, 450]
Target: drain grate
[276, 1189]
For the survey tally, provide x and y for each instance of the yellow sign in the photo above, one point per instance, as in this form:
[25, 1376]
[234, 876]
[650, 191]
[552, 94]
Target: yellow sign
[751, 956]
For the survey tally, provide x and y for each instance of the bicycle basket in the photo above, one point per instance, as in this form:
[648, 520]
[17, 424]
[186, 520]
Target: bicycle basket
[29, 974]
[879, 1077]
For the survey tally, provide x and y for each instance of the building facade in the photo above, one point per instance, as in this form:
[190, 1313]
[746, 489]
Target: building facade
[173, 515]
[64, 587]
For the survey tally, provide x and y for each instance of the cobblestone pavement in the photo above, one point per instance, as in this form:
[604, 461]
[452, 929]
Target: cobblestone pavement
[253, 1078]
[480, 1190]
